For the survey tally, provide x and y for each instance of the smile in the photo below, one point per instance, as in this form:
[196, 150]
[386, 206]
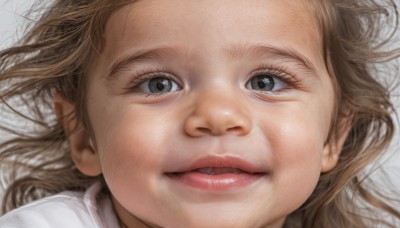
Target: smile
[215, 173]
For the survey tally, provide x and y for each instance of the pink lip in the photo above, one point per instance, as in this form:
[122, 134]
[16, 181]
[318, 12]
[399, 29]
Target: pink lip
[190, 176]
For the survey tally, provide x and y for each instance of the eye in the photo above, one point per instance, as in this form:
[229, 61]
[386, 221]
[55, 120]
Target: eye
[265, 83]
[158, 85]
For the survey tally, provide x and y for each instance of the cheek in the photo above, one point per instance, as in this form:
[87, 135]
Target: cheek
[299, 141]
[133, 135]
[296, 136]
[297, 160]
[131, 144]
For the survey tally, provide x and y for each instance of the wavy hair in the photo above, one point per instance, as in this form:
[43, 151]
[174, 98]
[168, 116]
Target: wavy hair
[52, 56]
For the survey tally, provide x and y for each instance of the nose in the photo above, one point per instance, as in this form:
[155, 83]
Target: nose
[216, 114]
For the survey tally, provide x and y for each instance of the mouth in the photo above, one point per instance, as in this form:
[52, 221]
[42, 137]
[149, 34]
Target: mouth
[214, 173]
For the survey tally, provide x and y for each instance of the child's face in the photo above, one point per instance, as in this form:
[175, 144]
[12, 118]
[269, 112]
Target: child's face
[183, 85]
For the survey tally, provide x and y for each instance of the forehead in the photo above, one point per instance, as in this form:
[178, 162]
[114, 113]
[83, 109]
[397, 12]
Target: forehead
[207, 25]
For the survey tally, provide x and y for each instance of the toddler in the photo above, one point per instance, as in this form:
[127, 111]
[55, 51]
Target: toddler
[184, 113]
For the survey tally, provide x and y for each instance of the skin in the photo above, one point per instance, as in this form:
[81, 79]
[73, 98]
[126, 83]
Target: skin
[208, 50]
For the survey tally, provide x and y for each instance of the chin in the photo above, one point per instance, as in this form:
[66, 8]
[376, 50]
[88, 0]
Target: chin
[227, 218]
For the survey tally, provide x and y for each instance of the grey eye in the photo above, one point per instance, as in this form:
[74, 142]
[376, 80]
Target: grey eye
[159, 85]
[261, 82]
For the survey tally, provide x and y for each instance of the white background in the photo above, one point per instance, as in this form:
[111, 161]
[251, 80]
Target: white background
[11, 17]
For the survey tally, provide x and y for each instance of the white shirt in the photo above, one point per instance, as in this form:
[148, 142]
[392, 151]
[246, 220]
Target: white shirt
[65, 210]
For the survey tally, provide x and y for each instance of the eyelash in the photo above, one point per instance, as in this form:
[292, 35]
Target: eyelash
[279, 72]
[148, 74]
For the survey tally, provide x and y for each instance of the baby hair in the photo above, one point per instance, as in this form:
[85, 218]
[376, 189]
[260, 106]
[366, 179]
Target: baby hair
[52, 58]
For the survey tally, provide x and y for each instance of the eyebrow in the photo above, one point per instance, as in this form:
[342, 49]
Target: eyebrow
[144, 56]
[283, 53]
[233, 52]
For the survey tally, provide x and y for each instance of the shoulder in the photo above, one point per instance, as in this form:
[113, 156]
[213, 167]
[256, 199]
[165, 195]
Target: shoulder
[64, 210]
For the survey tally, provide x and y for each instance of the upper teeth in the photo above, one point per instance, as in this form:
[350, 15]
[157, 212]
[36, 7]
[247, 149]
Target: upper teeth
[218, 170]
[208, 170]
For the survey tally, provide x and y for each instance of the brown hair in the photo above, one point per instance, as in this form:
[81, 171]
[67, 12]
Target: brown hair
[353, 39]
[53, 55]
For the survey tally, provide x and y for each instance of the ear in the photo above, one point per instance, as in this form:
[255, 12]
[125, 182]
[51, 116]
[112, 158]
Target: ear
[83, 151]
[332, 150]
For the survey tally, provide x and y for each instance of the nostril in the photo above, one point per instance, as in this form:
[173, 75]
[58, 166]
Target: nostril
[219, 131]
[235, 129]
[217, 121]
[204, 130]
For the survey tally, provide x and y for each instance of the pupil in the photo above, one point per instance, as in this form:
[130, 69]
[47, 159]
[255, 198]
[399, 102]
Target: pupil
[160, 85]
[262, 82]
